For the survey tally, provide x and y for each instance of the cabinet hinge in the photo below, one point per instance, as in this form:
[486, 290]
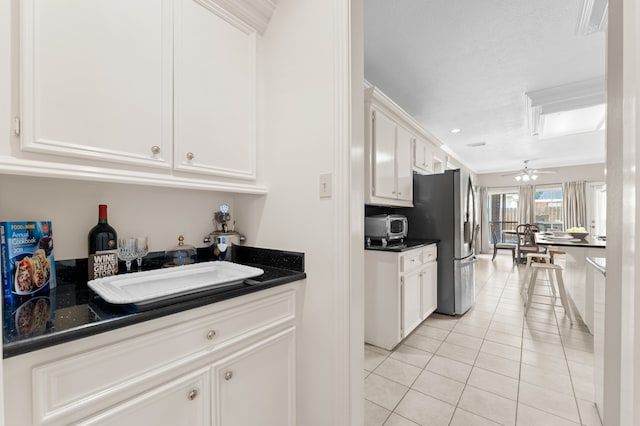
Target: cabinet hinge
[16, 126]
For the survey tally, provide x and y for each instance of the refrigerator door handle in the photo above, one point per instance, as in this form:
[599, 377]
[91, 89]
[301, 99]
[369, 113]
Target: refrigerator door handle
[467, 259]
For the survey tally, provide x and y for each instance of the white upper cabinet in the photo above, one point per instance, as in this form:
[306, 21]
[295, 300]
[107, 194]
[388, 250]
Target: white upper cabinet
[215, 108]
[96, 80]
[158, 92]
[404, 174]
[392, 141]
[422, 157]
[384, 155]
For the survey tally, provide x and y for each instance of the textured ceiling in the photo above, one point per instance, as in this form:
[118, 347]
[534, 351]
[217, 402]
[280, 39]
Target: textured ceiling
[468, 63]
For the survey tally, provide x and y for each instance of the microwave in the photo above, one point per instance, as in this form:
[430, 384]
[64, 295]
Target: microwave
[385, 228]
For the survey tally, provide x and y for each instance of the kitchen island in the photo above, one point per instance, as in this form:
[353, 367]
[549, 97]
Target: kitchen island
[577, 282]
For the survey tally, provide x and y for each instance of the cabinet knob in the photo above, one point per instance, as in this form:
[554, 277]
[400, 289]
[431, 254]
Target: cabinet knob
[190, 156]
[211, 334]
[228, 375]
[399, 193]
[393, 192]
[193, 394]
[155, 150]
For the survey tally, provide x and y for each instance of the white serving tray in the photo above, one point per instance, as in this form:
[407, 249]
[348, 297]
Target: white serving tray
[165, 283]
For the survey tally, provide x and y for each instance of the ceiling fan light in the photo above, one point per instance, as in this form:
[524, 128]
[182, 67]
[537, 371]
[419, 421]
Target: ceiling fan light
[534, 177]
[518, 177]
[525, 178]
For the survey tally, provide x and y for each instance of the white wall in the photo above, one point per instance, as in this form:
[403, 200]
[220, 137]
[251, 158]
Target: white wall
[622, 294]
[161, 214]
[356, 196]
[5, 85]
[300, 134]
[589, 173]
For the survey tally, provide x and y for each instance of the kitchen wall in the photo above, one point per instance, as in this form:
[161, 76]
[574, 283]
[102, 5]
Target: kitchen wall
[298, 143]
[162, 214]
[588, 172]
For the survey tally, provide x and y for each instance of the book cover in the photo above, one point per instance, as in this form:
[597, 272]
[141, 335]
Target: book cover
[28, 266]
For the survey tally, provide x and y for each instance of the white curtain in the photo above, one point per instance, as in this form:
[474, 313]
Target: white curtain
[574, 204]
[483, 217]
[526, 204]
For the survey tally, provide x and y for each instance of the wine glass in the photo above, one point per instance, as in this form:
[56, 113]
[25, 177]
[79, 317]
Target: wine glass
[142, 249]
[127, 251]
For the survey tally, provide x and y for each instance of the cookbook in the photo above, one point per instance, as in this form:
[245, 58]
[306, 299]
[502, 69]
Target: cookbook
[28, 266]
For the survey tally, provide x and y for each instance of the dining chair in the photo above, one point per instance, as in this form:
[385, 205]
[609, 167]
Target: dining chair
[501, 246]
[526, 241]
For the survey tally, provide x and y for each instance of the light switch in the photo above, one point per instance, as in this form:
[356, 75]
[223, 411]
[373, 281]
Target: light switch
[325, 185]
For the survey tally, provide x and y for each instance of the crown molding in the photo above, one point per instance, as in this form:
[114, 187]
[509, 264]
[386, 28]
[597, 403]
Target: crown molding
[594, 17]
[255, 13]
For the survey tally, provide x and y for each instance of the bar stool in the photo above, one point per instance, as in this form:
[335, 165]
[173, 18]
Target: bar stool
[541, 258]
[554, 251]
[535, 267]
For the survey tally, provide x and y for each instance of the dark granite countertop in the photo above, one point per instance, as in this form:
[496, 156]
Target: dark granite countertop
[546, 239]
[400, 247]
[71, 310]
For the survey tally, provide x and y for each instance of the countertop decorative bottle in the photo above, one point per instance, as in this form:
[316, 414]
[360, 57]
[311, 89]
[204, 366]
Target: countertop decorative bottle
[103, 249]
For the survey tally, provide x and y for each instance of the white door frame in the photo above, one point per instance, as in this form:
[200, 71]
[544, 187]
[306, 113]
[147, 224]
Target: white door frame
[622, 294]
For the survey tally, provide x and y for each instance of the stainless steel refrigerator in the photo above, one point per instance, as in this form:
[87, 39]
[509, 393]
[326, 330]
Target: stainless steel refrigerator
[444, 208]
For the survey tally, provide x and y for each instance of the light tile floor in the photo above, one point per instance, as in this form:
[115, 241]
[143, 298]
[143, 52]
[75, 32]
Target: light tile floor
[490, 366]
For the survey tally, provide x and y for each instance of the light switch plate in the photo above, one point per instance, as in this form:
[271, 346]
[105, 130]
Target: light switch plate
[325, 185]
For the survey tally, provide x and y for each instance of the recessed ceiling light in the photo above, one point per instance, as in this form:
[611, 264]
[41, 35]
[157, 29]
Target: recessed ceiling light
[455, 130]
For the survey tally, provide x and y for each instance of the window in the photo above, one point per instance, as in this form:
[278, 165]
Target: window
[548, 210]
[503, 212]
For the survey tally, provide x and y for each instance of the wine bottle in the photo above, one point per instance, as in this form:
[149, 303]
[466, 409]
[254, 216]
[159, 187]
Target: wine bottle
[103, 250]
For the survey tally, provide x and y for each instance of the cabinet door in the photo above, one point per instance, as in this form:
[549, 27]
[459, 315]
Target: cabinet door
[256, 386]
[215, 84]
[96, 80]
[384, 154]
[422, 157]
[418, 154]
[404, 173]
[429, 289]
[411, 310]
[182, 402]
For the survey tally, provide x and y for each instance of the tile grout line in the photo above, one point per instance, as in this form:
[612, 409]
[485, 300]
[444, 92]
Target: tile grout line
[479, 350]
[566, 359]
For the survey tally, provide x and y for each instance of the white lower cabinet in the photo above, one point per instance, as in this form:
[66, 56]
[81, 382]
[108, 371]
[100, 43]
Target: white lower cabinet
[429, 277]
[411, 286]
[231, 363]
[179, 402]
[400, 292]
[262, 374]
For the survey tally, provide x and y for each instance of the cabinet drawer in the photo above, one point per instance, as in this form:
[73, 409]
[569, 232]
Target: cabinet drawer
[410, 260]
[62, 389]
[430, 253]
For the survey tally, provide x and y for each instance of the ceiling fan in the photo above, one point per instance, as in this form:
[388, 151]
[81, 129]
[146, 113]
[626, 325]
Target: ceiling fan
[528, 174]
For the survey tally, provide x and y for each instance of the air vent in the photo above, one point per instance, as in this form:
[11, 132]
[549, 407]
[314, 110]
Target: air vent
[476, 144]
